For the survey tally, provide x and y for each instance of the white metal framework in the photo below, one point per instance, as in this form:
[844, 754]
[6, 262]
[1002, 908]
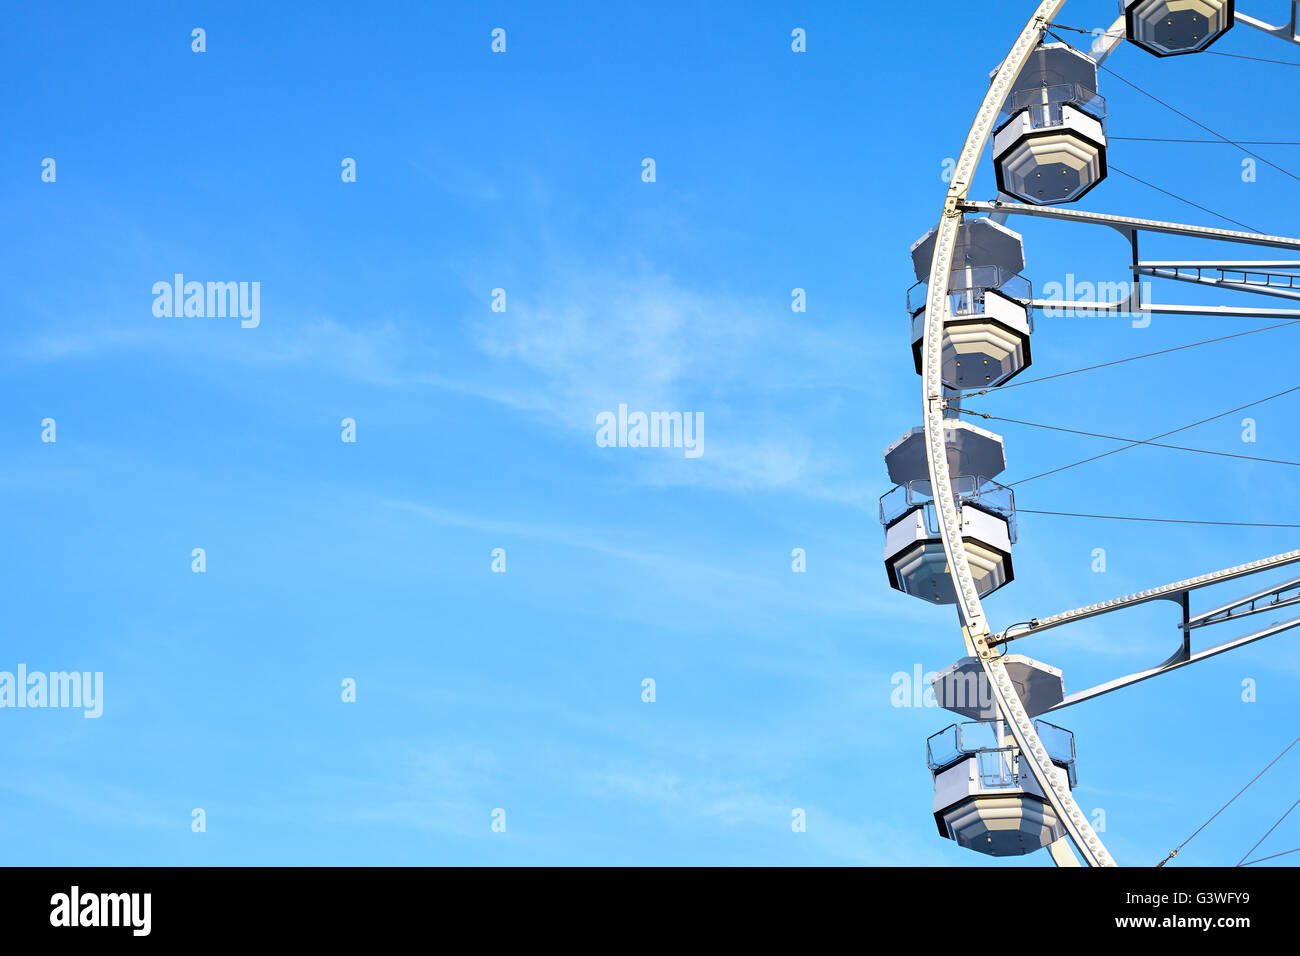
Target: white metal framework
[1276, 278]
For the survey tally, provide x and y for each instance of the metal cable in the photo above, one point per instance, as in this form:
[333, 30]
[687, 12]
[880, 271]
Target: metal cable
[1153, 444]
[1091, 33]
[1257, 59]
[1273, 857]
[1174, 852]
[1183, 199]
[1115, 451]
[1212, 132]
[1217, 142]
[1090, 368]
[1233, 524]
[1270, 830]
[1239, 56]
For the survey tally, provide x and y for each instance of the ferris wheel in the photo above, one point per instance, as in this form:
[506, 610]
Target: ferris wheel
[1004, 777]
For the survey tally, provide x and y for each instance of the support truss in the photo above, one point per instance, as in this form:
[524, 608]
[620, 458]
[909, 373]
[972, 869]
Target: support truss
[1266, 599]
[1262, 277]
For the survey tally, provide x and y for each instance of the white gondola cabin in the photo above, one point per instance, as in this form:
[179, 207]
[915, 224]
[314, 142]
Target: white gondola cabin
[1051, 144]
[964, 688]
[914, 555]
[986, 331]
[985, 799]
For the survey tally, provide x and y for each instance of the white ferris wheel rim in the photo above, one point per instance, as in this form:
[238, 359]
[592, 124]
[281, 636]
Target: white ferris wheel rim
[1053, 782]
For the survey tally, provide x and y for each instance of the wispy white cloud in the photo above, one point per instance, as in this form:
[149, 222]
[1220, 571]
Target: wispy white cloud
[771, 384]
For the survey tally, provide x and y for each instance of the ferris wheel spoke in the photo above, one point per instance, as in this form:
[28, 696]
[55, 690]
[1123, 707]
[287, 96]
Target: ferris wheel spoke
[1262, 600]
[1170, 592]
[1175, 662]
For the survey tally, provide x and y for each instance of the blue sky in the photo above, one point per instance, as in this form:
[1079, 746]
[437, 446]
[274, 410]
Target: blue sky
[476, 430]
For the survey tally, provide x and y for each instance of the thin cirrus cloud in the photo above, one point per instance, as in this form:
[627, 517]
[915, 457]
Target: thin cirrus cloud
[585, 343]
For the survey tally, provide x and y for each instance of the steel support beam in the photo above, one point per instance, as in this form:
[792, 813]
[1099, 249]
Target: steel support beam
[1168, 592]
[1126, 309]
[1174, 664]
[1247, 606]
[1126, 224]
